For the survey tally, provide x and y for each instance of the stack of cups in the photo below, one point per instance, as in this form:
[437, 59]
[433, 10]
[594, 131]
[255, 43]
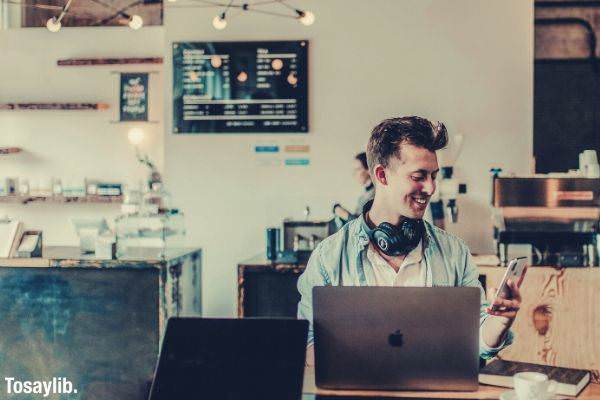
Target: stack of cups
[588, 164]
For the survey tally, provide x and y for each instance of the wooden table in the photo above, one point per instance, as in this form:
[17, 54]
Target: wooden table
[592, 391]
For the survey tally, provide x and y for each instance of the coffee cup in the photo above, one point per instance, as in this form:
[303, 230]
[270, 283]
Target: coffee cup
[533, 386]
[593, 171]
[590, 157]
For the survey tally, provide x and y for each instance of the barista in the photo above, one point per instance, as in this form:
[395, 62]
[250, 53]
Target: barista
[362, 176]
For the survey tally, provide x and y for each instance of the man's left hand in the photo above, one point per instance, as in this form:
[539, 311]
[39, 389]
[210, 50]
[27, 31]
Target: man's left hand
[507, 308]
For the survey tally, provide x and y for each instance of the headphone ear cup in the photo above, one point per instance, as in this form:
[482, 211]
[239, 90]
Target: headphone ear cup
[385, 237]
[411, 231]
[393, 241]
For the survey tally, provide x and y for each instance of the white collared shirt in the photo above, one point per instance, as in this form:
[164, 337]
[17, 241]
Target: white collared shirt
[412, 271]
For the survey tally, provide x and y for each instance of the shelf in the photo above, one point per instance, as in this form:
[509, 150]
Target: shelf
[95, 199]
[9, 150]
[55, 106]
[88, 62]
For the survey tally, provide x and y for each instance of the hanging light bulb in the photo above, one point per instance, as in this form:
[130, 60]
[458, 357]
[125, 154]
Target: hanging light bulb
[292, 79]
[242, 77]
[53, 24]
[216, 61]
[219, 22]
[135, 136]
[277, 64]
[193, 75]
[136, 22]
[306, 17]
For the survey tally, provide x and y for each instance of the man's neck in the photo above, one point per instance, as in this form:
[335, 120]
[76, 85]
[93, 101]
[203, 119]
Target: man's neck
[379, 213]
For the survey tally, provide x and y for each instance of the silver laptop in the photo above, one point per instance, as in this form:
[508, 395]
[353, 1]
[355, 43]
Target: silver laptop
[396, 338]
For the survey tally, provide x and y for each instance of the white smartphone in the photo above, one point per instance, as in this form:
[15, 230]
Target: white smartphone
[515, 272]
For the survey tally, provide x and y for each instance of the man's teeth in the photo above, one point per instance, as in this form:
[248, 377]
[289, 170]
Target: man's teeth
[420, 200]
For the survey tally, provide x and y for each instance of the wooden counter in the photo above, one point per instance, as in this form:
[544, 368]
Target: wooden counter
[97, 322]
[268, 289]
[70, 256]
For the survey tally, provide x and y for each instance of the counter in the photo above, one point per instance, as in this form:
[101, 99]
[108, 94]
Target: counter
[96, 322]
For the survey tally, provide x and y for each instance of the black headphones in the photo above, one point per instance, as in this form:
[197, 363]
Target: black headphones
[396, 240]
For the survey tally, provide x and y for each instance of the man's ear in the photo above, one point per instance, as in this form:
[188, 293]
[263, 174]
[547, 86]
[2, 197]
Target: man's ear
[379, 173]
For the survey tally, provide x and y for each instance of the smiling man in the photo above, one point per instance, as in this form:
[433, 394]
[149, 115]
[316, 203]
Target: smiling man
[391, 245]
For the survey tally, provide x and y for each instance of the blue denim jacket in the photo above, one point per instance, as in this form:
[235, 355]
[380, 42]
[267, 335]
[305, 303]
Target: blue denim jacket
[447, 259]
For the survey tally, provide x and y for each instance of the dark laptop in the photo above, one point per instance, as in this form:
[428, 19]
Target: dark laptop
[231, 359]
[396, 338]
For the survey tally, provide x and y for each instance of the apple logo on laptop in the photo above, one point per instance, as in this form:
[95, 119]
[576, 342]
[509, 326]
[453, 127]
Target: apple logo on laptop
[396, 339]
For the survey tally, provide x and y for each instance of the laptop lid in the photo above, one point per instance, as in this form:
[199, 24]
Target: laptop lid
[396, 338]
[231, 359]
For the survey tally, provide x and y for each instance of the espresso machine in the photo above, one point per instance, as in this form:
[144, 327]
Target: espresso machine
[558, 216]
[301, 237]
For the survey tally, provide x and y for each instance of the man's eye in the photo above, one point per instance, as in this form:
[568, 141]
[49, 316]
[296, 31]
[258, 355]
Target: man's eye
[433, 176]
[417, 178]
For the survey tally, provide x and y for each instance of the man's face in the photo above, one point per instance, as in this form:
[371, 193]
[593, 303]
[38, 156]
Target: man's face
[411, 180]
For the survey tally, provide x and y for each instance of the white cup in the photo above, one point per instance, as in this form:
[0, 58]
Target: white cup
[592, 171]
[533, 386]
[590, 157]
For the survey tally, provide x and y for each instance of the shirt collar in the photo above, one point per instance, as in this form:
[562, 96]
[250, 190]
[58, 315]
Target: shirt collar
[415, 256]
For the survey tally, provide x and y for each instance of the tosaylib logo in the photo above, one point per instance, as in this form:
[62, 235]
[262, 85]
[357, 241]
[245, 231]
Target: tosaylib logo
[45, 388]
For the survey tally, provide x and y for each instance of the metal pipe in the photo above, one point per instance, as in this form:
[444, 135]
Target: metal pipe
[592, 41]
[567, 4]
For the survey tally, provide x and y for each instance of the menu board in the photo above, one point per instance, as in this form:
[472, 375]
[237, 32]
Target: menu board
[240, 87]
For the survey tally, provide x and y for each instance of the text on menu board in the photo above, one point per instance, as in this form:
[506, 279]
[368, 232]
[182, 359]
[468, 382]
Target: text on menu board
[240, 87]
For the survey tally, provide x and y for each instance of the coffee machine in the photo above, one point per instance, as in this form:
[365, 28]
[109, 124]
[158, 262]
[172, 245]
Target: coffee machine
[301, 237]
[559, 216]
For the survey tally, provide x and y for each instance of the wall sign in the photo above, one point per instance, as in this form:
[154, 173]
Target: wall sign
[243, 87]
[134, 97]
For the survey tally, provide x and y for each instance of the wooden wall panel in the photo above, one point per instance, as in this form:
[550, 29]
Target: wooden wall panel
[559, 322]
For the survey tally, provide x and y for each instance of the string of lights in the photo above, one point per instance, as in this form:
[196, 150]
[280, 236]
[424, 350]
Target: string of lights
[219, 22]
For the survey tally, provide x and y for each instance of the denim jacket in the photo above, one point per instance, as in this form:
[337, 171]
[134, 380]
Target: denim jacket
[448, 262]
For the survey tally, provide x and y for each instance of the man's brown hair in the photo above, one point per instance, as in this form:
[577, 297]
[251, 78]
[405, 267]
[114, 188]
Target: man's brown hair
[388, 136]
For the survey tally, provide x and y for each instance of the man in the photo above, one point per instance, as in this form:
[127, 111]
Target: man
[403, 166]
[362, 176]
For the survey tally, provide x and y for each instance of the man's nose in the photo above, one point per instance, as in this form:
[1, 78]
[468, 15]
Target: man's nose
[429, 186]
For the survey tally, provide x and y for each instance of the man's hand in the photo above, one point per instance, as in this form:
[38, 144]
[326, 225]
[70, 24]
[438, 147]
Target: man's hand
[494, 329]
[507, 308]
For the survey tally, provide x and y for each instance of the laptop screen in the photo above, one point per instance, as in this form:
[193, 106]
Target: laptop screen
[231, 359]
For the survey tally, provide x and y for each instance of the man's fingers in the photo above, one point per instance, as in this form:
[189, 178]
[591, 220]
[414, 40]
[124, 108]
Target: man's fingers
[506, 305]
[515, 291]
[506, 314]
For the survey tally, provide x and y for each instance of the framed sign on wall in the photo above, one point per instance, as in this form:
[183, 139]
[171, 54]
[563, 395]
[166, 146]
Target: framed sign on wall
[133, 98]
[240, 87]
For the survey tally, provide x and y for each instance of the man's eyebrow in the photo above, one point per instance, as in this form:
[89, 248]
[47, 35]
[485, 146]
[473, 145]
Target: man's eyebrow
[425, 172]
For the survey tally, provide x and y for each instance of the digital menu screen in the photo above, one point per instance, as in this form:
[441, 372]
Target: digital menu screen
[240, 87]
